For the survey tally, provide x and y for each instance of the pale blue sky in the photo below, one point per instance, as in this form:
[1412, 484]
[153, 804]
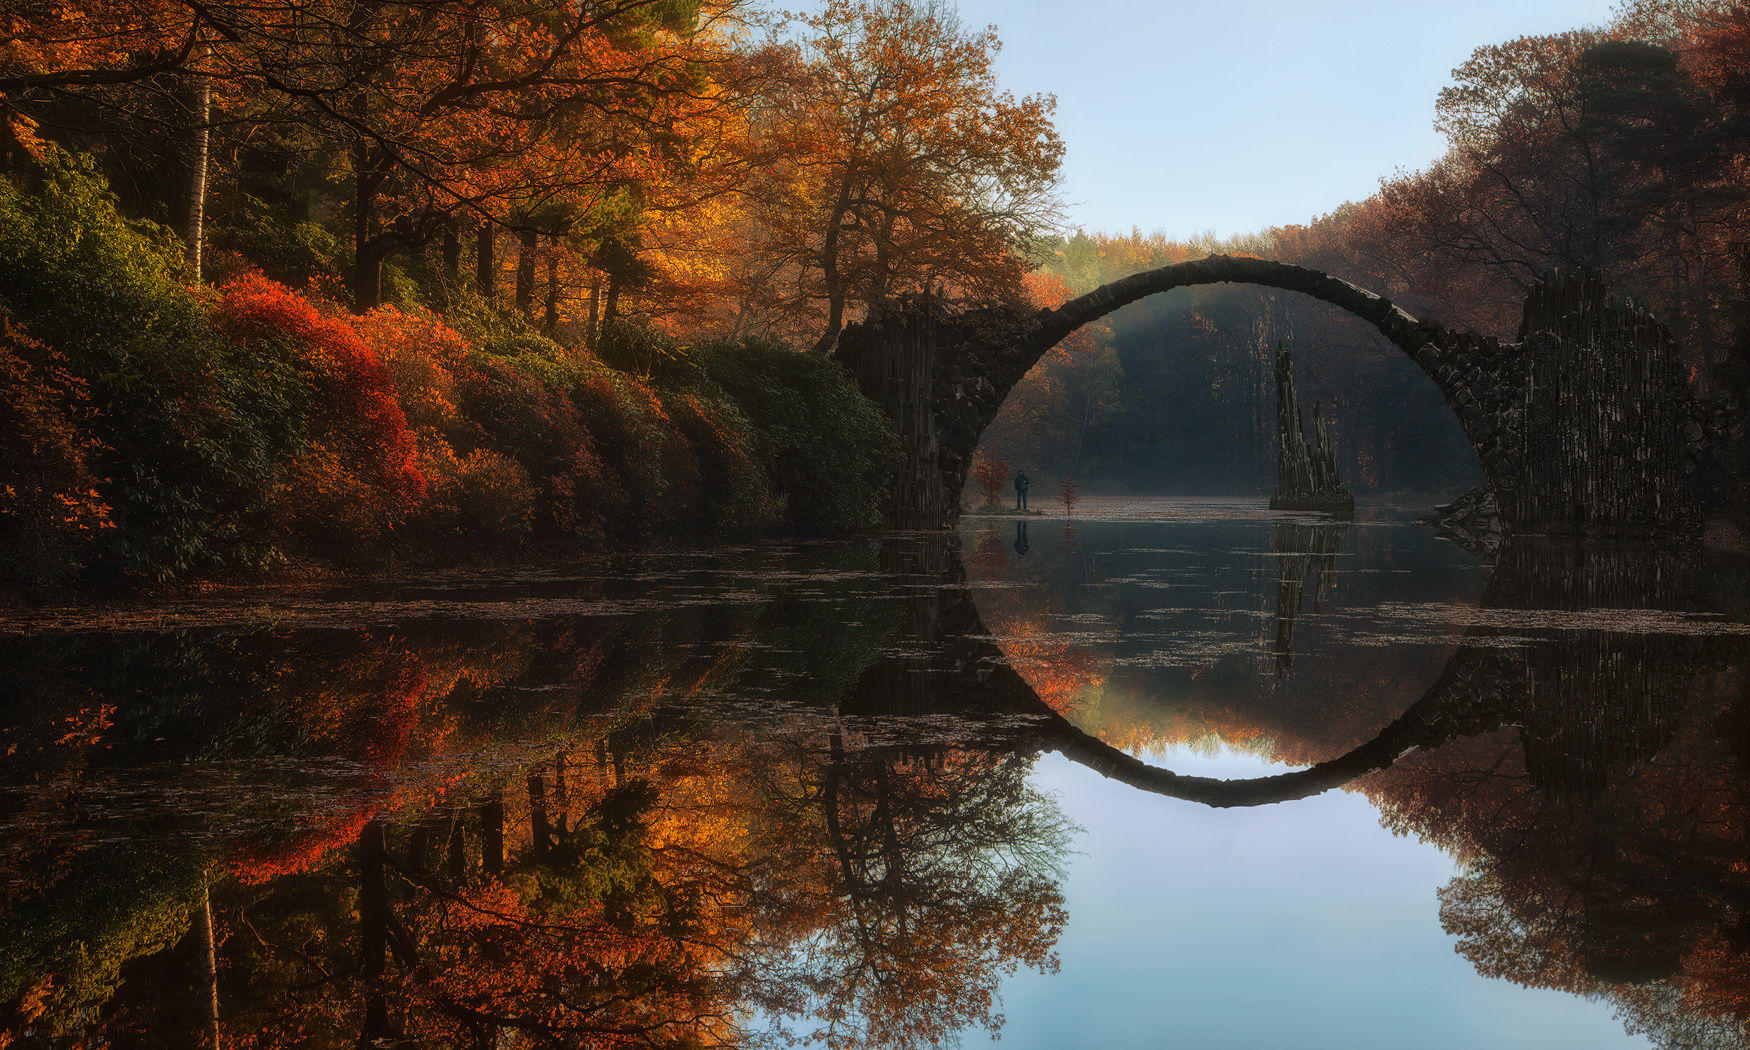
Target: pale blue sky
[1303, 924]
[1233, 115]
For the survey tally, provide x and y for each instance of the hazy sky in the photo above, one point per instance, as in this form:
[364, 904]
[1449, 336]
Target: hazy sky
[1233, 115]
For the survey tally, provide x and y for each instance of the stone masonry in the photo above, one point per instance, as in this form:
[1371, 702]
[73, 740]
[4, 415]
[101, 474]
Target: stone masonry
[1583, 426]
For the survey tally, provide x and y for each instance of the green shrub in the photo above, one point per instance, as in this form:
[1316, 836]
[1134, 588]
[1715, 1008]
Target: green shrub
[827, 447]
[639, 445]
[253, 234]
[496, 328]
[50, 508]
[636, 348]
[194, 429]
[735, 491]
[112, 905]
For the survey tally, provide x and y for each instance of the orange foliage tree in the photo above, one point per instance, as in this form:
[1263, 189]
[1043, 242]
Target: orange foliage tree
[991, 473]
[900, 166]
[1067, 495]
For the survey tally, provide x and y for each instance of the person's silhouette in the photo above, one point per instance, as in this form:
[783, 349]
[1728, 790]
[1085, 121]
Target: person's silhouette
[1021, 543]
[1021, 484]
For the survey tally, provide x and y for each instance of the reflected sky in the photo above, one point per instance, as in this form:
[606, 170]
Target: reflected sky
[1300, 924]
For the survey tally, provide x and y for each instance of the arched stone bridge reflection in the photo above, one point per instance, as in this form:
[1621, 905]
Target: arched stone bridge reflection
[1587, 700]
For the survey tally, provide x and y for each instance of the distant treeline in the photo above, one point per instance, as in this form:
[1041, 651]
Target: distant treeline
[1625, 148]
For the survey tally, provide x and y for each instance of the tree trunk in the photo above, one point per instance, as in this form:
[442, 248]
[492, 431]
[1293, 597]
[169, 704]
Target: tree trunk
[367, 292]
[373, 908]
[418, 844]
[835, 290]
[550, 319]
[492, 836]
[561, 796]
[611, 305]
[455, 858]
[197, 184]
[367, 283]
[367, 264]
[485, 266]
[595, 310]
[452, 253]
[540, 830]
[525, 271]
[882, 279]
[210, 961]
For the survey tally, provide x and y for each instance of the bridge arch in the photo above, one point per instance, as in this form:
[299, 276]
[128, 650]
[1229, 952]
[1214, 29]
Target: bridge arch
[1458, 364]
[1539, 412]
[1406, 332]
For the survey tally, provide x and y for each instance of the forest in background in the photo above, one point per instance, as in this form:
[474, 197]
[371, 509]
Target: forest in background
[1622, 148]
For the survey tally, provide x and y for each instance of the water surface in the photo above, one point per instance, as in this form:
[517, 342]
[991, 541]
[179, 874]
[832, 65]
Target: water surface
[1173, 773]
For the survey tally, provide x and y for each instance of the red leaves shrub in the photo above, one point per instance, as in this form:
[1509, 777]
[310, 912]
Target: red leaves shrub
[325, 502]
[48, 494]
[991, 473]
[421, 355]
[483, 496]
[527, 418]
[480, 495]
[356, 404]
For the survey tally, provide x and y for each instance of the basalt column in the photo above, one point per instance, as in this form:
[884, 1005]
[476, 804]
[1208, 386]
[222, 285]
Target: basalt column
[896, 361]
[1603, 418]
[1306, 475]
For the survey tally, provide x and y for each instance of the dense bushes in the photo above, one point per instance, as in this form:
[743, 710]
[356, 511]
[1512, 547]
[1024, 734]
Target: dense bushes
[49, 502]
[829, 447]
[195, 430]
[153, 429]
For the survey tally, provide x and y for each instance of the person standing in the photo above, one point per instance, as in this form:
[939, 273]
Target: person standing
[1021, 490]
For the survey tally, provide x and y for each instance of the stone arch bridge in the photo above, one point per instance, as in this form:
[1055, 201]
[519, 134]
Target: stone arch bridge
[1584, 425]
[1587, 700]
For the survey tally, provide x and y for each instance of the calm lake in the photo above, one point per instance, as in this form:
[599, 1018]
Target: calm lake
[1174, 773]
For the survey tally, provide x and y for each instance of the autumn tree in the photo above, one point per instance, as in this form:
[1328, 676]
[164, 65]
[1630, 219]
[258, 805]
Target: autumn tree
[991, 473]
[110, 42]
[1582, 148]
[1067, 495]
[434, 118]
[903, 167]
[519, 128]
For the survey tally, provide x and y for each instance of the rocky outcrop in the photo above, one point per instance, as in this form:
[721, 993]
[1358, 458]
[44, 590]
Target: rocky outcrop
[1473, 521]
[1306, 475]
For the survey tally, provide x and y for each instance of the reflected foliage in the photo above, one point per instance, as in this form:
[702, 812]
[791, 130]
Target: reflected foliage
[786, 793]
[430, 825]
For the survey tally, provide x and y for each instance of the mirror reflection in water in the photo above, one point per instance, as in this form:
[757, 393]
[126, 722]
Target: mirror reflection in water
[1106, 782]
